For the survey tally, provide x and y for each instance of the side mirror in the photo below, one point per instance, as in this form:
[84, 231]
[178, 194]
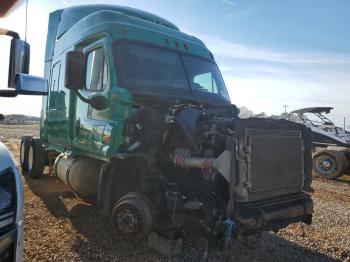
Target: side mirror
[18, 77]
[19, 60]
[31, 85]
[74, 76]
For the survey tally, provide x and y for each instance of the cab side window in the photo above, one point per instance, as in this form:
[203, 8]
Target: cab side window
[54, 87]
[205, 82]
[96, 70]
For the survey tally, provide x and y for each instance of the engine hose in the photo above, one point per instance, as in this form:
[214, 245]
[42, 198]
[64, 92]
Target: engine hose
[195, 162]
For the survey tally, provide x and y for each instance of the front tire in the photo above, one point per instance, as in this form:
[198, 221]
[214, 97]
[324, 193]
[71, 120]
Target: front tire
[36, 159]
[329, 164]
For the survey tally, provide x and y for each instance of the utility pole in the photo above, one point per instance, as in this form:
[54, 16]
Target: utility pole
[285, 109]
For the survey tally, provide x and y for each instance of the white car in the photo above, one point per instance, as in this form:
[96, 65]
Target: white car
[11, 208]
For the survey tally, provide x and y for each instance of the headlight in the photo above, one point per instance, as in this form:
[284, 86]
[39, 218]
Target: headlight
[7, 199]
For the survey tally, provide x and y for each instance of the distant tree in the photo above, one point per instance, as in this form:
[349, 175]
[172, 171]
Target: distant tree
[261, 115]
[245, 112]
[290, 117]
[2, 117]
[275, 117]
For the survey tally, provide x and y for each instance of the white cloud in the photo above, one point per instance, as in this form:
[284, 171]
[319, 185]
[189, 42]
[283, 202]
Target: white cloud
[65, 2]
[265, 79]
[234, 50]
[228, 2]
[37, 30]
[261, 78]
[270, 94]
[268, 89]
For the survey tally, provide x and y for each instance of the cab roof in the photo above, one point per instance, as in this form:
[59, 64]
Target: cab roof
[75, 22]
[72, 15]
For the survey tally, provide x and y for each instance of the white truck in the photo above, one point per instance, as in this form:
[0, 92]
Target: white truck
[11, 208]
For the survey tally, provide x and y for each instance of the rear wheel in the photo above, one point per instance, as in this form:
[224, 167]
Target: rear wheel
[24, 150]
[36, 159]
[329, 164]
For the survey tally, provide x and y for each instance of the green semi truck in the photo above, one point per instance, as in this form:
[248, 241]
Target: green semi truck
[138, 118]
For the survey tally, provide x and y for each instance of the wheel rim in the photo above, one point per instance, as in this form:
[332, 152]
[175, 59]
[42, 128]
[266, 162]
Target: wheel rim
[129, 222]
[21, 156]
[326, 165]
[30, 158]
[133, 216]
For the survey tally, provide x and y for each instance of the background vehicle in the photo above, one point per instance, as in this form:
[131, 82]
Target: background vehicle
[138, 118]
[11, 189]
[11, 208]
[331, 157]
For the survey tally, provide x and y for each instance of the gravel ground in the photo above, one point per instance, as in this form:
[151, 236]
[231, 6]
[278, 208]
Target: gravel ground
[62, 227]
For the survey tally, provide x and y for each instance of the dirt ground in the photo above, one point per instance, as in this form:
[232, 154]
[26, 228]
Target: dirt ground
[62, 227]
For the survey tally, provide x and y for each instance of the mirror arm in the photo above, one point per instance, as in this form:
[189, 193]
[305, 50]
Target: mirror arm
[8, 93]
[96, 102]
[9, 33]
[84, 99]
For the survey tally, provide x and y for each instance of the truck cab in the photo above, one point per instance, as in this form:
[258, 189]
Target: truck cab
[129, 56]
[138, 117]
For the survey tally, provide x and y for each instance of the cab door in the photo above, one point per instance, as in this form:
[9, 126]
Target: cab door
[57, 117]
[91, 125]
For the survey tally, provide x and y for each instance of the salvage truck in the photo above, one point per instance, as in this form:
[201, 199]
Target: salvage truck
[138, 118]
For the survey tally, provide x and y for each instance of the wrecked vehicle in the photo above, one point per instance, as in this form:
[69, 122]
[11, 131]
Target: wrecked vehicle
[331, 156]
[138, 117]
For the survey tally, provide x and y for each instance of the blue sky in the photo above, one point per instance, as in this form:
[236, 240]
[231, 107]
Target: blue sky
[271, 53]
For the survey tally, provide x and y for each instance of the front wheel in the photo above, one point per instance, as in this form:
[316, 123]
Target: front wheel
[329, 164]
[36, 159]
[134, 216]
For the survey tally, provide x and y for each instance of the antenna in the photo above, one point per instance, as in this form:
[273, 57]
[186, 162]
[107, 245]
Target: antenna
[25, 33]
[285, 109]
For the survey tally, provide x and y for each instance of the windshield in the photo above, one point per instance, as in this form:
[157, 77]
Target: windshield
[147, 67]
[204, 77]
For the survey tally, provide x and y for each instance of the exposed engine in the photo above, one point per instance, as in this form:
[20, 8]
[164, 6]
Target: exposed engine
[186, 165]
[209, 167]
